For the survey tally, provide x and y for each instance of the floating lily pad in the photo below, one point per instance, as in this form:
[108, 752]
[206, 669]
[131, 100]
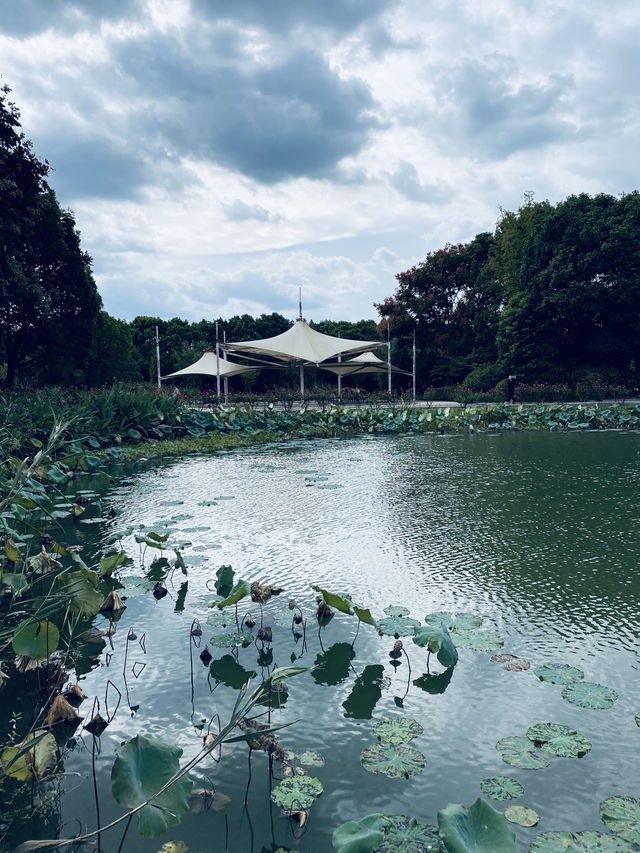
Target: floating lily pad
[396, 610]
[361, 835]
[171, 503]
[477, 828]
[559, 740]
[309, 758]
[519, 665]
[521, 815]
[396, 730]
[402, 834]
[224, 498]
[222, 641]
[588, 694]
[141, 767]
[501, 788]
[504, 658]
[559, 673]
[459, 621]
[520, 752]
[397, 626]
[478, 641]
[297, 792]
[622, 816]
[577, 842]
[393, 761]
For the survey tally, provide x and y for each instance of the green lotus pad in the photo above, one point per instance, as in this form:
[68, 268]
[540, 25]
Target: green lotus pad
[501, 788]
[477, 828]
[520, 752]
[397, 626]
[622, 816]
[559, 673]
[361, 836]
[141, 767]
[588, 694]
[477, 641]
[397, 730]
[405, 835]
[396, 610]
[223, 641]
[521, 815]
[394, 761]
[297, 792]
[577, 842]
[459, 621]
[559, 740]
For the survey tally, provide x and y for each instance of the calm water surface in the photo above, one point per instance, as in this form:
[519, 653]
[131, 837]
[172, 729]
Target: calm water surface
[537, 533]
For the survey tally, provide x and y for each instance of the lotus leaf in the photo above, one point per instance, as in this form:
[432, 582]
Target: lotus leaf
[559, 740]
[31, 758]
[141, 767]
[438, 640]
[477, 828]
[577, 842]
[364, 615]
[339, 602]
[35, 639]
[457, 621]
[396, 730]
[520, 752]
[80, 586]
[478, 641]
[362, 836]
[521, 815]
[517, 665]
[396, 610]
[622, 816]
[501, 788]
[238, 592]
[397, 626]
[503, 658]
[224, 580]
[588, 694]
[309, 758]
[393, 761]
[406, 835]
[222, 641]
[559, 673]
[297, 792]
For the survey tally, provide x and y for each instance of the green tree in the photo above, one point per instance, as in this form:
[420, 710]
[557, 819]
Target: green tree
[112, 357]
[49, 302]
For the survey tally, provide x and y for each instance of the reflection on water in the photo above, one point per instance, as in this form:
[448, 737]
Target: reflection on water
[537, 533]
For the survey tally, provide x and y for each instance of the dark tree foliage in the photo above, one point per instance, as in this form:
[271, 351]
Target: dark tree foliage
[49, 302]
[554, 293]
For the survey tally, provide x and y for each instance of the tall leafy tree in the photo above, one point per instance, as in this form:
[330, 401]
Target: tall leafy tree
[49, 302]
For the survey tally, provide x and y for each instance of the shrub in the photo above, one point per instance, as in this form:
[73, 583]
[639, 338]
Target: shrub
[484, 377]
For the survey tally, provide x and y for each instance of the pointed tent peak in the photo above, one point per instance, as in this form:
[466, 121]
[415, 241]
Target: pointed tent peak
[302, 343]
[208, 366]
[367, 362]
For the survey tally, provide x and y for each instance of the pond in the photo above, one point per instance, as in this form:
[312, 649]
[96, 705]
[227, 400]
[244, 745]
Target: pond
[537, 534]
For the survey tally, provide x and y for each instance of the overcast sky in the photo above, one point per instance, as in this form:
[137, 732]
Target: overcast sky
[218, 154]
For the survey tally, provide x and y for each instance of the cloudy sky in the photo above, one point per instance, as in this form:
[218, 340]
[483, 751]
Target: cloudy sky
[220, 154]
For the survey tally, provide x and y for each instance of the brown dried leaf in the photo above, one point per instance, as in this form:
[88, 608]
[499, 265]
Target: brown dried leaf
[61, 712]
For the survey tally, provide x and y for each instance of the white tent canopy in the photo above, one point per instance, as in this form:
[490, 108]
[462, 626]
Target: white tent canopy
[209, 365]
[365, 363]
[302, 343]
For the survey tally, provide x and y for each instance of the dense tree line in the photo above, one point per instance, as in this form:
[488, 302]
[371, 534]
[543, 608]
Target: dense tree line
[552, 295]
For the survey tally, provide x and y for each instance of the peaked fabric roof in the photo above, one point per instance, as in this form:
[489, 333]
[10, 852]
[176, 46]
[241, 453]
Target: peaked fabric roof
[207, 365]
[365, 363]
[302, 343]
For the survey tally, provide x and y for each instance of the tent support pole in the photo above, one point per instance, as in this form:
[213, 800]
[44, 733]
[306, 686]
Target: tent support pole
[158, 356]
[301, 381]
[226, 378]
[388, 359]
[217, 365]
[414, 364]
[339, 376]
